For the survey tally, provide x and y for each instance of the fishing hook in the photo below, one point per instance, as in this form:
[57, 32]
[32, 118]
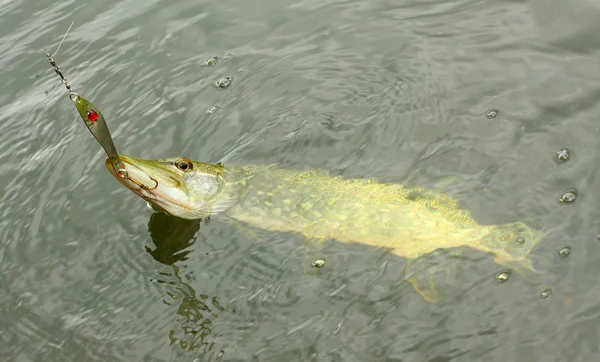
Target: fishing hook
[95, 122]
[150, 199]
[124, 174]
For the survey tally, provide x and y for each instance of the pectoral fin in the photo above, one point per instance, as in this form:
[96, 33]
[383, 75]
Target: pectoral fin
[429, 274]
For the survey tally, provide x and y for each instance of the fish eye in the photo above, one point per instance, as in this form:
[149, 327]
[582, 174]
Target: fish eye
[184, 164]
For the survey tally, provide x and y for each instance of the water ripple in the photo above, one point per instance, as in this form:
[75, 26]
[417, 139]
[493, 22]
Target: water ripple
[397, 91]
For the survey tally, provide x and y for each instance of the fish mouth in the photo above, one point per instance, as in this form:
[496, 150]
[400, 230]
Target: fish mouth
[149, 181]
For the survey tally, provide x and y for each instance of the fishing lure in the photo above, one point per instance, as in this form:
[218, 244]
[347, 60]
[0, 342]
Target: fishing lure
[95, 122]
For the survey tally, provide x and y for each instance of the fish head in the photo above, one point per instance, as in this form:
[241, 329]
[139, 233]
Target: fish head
[177, 186]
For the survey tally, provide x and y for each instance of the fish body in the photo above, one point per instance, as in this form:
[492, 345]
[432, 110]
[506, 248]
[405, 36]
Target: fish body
[409, 222]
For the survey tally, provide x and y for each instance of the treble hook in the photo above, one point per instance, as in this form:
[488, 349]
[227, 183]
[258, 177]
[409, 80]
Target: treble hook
[124, 174]
[95, 122]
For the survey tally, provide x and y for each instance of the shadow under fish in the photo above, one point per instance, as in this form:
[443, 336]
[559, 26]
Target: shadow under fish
[173, 238]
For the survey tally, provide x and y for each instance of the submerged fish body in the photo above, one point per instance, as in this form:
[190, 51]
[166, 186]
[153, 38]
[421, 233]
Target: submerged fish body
[409, 222]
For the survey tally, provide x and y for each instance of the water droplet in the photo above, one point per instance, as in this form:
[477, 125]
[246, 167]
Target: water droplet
[545, 293]
[224, 82]
[568, 197]
[210, 61]
[521, 240]
[564, 251]
[502, 276]
[213, 109]
[492, 113]
[563, 155]
[318, 263]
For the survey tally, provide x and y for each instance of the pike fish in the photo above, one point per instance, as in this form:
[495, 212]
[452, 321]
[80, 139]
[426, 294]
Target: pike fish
[408, 222]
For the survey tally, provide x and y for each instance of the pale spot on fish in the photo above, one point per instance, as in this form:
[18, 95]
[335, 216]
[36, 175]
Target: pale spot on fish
[287, 201]
[260, 193]
[306, 205]
[270, 194]
[276, 211]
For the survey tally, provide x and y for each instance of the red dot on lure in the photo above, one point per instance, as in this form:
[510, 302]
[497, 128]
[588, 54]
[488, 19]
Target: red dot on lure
[92, 115]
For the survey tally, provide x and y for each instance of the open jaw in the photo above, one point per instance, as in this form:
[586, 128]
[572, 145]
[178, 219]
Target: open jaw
[155, 189]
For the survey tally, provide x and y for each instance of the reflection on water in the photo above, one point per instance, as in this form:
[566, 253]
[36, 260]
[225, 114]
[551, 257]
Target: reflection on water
[173, 238]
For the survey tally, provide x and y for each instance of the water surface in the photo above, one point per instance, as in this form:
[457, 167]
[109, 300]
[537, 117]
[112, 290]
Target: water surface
[386, 89]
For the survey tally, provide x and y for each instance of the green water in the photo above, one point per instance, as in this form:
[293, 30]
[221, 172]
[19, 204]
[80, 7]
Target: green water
[397, 90]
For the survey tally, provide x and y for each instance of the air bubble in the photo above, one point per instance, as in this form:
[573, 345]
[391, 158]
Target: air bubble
[521, 240]
[213, 109]
[568, 197]
[210, 61]
[563, 155]
[564, 251]
[492, 113]
[546, 293]
[502, 276]
[224, 82]
[318, 263]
